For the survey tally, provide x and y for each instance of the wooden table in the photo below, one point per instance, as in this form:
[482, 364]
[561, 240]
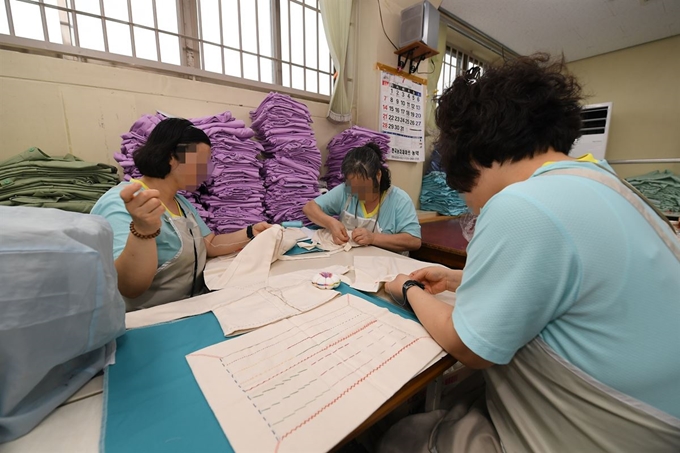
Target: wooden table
[442, 242]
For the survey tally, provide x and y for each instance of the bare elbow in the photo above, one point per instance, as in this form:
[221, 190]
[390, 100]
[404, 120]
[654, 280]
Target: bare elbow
[415, 244]
[133, 291]
[469, 358]
[128, 293]
[306, 209]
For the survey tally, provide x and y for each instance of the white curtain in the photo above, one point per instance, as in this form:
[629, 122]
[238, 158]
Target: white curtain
[433, 80]
[336, 18]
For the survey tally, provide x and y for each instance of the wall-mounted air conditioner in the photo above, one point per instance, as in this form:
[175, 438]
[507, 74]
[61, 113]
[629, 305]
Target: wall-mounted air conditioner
[596, 119]
[419, 23]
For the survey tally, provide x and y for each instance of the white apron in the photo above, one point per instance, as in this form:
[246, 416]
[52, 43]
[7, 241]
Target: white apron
[354, 221]
[182, 276]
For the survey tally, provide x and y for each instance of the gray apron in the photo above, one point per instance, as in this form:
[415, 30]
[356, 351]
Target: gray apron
[354, 221]
[539, 399]
[182, 276]
[539, 402]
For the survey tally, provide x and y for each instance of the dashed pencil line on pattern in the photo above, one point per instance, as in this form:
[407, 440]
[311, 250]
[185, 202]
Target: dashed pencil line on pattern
[345, 392]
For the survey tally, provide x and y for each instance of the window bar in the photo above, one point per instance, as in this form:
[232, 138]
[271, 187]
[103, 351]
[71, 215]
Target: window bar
[64, 21]
[132, 33]
[257, 39]
[183, 60]
[318, 59]
[76, 37]
[219, 12]
[44, 21]
[10, 22]
[240, 35]
[201, 42]
[304, 50]
[276, 37]
[106, 35]
[155, 26]
[290, 49]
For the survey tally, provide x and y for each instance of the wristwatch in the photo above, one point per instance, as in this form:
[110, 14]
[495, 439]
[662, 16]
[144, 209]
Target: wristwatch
[404, 289]
[249, 232]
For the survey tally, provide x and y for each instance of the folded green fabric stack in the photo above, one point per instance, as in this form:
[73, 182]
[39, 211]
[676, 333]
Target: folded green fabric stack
[661, 187]
[35, 179]
[436, 195]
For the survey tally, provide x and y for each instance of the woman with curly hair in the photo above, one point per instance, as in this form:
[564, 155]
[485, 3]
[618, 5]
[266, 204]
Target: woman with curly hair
[569, 297]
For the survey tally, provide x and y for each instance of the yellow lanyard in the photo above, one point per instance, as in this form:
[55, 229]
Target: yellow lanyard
[179, 208]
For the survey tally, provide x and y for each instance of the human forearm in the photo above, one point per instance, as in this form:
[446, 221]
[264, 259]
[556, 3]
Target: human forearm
[436, 318]
[136, 266]
[454, 278]
[224, 244]
[314, 213]
[400, 242]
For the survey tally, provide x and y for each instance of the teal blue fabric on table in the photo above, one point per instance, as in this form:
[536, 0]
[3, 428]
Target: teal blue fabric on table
[297, 250]
[152, 402]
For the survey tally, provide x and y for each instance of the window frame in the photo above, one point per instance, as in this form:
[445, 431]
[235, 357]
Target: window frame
[462, 61]
[189, 41]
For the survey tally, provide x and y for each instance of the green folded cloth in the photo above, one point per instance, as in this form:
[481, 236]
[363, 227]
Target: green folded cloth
[36, 179]
[661, 187]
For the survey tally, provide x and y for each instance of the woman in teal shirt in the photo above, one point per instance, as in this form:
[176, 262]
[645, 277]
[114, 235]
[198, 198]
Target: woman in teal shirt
[160, 242]
[367, 205]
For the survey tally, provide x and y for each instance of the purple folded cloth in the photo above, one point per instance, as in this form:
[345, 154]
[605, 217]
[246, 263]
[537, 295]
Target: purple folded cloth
[342, 143]
[291, 170]
[223, 117]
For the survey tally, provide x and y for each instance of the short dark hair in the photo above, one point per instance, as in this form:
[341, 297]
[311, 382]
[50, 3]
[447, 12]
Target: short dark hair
[167, 140]
[366, 161]
[514, 111]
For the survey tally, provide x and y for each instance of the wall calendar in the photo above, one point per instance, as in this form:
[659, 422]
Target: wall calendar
[402, 116]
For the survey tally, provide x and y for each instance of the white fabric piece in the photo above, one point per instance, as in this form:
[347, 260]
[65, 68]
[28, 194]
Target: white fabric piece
[214, 300]
[371, 271]
[214, 269]
[251, 265]
[286, 295]
[304, 383]
[324, 240]
[291, 236]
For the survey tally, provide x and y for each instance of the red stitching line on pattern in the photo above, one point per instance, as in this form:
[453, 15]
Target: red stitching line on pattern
[346, 391]
[309, 357]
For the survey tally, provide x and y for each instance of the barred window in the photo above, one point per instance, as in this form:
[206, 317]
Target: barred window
[279, 42]
[454, 64]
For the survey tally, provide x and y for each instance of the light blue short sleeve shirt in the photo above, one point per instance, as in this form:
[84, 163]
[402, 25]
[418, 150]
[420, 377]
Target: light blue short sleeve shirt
[396, 215]
[570, 260]
[111, 207]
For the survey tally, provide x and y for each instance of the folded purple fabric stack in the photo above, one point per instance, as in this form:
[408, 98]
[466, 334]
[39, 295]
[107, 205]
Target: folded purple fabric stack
[292, 164]
[234, 193]
[345, 141]
[132, 141]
